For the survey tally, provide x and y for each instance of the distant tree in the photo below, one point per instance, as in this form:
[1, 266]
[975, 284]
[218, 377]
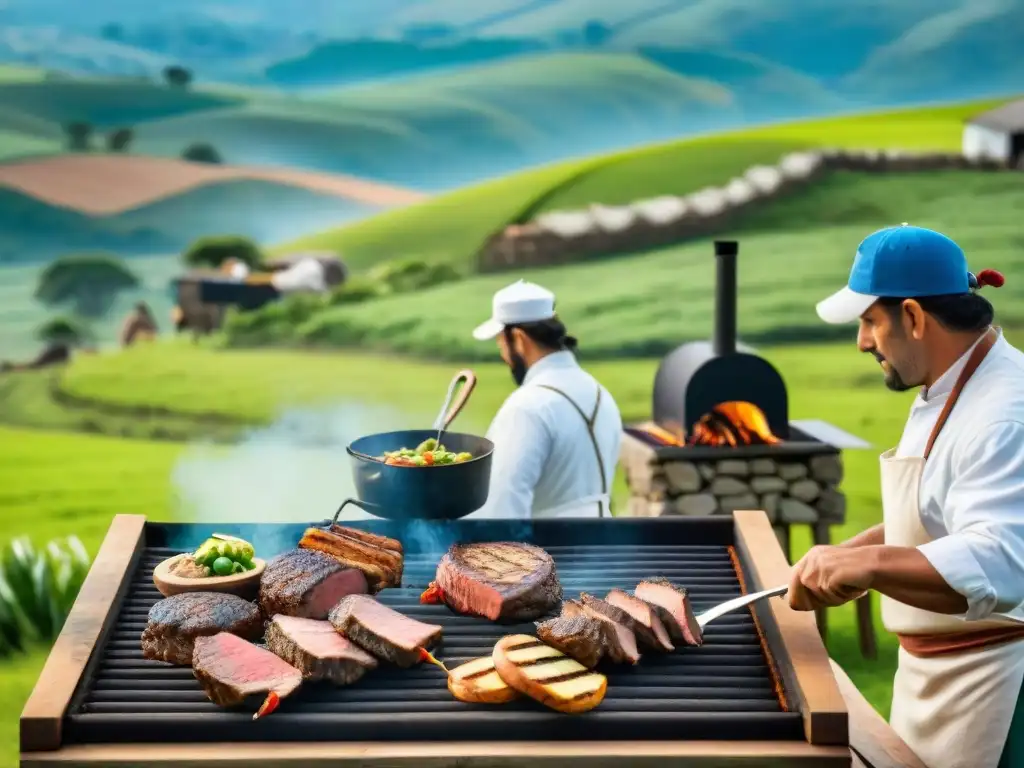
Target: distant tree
[79, 135]
[119, 140]
[176, 76]
[596, 32]
[214, 251]
[65, 330]
[112, 31]
[202, 153]
[87, 283]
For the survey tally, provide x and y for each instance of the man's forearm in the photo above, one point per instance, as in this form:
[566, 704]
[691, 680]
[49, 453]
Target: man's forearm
[874, 536]
[906, 575]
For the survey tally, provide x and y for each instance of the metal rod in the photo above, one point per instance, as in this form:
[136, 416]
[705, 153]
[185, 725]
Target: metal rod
[724, 339]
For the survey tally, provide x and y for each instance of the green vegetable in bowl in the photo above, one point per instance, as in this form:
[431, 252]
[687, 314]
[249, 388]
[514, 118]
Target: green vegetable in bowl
[427, 454]
[232, 550]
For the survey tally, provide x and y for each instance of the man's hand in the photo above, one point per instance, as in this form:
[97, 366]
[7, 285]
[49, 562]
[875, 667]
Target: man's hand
[830, 576]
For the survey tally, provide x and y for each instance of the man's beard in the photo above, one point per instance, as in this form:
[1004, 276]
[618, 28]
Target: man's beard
[893, 380]
[518, 368]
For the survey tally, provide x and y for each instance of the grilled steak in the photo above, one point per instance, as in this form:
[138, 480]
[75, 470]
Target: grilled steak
[381, 559]
[175, 623]
[499, 581]
[317, 651]
[385, 633]
[673, 606]
[306, 584]
[619, 639]
[575, 634]
[643, 633]
[231, 669]
[645, 616]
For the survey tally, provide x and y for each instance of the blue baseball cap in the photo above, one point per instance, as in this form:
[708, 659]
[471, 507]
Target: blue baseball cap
[901, 262]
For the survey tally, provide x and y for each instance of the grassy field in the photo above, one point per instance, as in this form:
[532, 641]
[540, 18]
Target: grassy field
[451, 227]
[793, 253]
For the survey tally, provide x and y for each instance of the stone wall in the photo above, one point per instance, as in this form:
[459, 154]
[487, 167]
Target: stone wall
[791, 489]
[560, 237]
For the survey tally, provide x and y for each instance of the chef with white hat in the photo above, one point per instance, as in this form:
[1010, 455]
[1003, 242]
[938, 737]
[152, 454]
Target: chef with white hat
[557, 437]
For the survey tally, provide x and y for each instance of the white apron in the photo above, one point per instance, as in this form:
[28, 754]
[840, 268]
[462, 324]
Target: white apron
[953, 710]
[594, 505]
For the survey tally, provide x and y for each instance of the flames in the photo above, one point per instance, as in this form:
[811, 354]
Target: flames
[733, 424]
[729, 424]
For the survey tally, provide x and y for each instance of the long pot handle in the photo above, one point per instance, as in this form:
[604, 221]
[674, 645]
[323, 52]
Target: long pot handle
[454, 403]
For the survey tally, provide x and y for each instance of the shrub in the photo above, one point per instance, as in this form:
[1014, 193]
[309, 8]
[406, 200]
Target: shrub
[271, 324]
[65, 330]
[37, 590]
[413, 275]
[214, 251]
[202, 153]
[357, 290]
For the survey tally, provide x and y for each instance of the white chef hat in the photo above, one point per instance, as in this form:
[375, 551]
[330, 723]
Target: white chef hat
[521, 302]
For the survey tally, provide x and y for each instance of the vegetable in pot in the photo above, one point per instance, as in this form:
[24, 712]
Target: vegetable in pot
[426, 454]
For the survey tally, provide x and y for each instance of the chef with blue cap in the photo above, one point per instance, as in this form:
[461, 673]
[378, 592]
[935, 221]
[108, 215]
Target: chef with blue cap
[948, 558]
[557, 437]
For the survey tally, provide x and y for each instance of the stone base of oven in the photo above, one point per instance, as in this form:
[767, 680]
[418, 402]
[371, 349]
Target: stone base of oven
[790, 488]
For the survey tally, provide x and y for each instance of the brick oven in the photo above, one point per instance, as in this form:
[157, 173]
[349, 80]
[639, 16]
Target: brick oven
[721, 438]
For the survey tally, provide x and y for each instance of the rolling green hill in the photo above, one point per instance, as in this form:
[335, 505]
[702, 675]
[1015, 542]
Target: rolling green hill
[452, 227]
[32, 230]
[793, 252]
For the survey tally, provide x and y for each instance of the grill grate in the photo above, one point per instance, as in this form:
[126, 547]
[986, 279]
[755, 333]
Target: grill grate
[722, 690]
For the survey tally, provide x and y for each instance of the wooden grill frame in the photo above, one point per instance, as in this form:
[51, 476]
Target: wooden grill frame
[800, 659]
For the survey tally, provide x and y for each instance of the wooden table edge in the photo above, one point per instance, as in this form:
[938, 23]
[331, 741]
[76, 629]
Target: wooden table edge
[90, 618]
[594, 754]
[802, 659]
[870, 734]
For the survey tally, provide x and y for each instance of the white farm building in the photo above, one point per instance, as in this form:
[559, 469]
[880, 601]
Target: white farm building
[997, 135]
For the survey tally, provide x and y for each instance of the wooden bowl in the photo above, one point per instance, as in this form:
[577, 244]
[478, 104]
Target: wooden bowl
[242, 584]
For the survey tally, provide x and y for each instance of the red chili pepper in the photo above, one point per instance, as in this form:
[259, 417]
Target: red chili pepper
[428, 457]
[432, 595]
[428, 657]
[269, 705]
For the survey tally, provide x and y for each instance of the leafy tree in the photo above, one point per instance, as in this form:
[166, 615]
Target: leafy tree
[64, 330]
[119, 140]
[178, 77]
[214, 251]
[202, 153]
[88, 283]
[79, 133]
[596, 32]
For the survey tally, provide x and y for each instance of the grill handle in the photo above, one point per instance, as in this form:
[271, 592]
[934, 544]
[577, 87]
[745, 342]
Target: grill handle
[738, 602]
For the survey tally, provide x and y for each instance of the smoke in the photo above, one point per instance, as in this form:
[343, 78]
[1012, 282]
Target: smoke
[294, 471]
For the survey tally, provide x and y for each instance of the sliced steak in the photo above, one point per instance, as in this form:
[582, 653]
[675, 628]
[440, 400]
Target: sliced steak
[576, 634]
[645, 615]
[175, 622]
[231, 670]
[317, 651]
[644, 634]
[674, 609]
[499, 580]
[307, 584]
[385, 633]
[619, 639]
[379, 558]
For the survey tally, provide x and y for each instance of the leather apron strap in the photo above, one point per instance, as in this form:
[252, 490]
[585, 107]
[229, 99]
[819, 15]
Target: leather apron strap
[939, 644]
[590, 422]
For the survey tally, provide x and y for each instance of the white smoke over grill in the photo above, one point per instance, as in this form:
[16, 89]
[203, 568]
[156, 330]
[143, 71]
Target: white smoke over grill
[294, 470]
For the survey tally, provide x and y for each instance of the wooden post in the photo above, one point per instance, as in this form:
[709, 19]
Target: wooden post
[866, 628]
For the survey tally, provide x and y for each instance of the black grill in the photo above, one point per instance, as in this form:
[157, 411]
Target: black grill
[722, 690]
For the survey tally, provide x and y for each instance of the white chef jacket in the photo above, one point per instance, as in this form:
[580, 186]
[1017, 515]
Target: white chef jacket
[972, 488]
[543, 455]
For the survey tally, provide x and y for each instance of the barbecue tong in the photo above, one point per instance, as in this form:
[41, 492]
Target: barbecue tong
[736, 603]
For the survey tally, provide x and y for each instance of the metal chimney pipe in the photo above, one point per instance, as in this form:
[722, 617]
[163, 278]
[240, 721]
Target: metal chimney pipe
[723, 342]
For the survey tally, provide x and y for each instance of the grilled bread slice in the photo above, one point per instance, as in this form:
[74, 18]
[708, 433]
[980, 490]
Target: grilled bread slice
[547, 675]
[477, 682]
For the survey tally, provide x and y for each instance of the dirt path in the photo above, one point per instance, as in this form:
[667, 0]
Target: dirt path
[102, 185]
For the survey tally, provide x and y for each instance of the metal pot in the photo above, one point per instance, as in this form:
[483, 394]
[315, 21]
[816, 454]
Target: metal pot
[442, 492]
